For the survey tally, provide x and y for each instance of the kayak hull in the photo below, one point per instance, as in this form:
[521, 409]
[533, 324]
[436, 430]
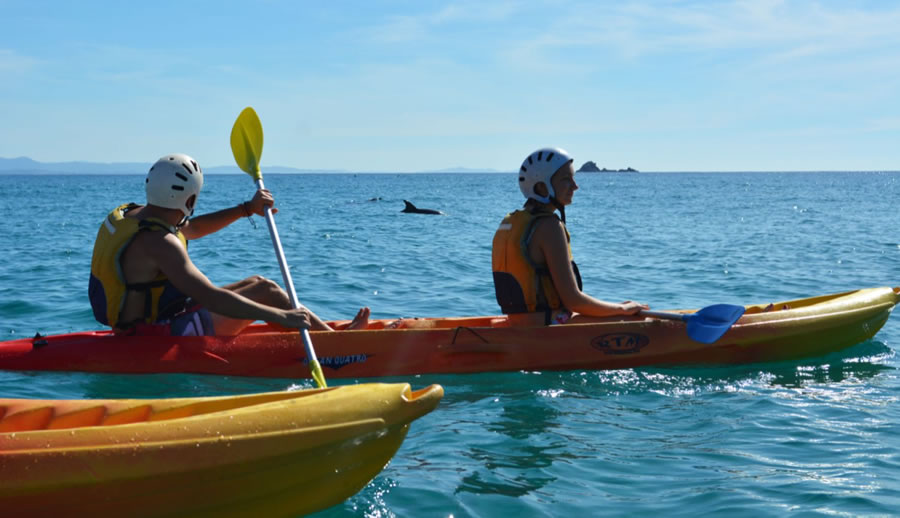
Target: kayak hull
[272, 454]
[789, 330]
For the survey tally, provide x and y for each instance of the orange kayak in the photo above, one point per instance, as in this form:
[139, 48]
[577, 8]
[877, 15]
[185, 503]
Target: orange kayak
[776, 331]
[270, 454]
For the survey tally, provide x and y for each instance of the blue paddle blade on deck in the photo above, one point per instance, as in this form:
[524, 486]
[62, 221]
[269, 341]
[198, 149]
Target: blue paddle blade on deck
[706, 325]
[710, 323]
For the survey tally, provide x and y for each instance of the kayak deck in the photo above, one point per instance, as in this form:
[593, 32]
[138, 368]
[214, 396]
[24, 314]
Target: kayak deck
[26, 415]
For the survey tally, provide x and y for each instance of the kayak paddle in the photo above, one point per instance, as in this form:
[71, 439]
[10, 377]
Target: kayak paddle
[706, 325]
[246, 145]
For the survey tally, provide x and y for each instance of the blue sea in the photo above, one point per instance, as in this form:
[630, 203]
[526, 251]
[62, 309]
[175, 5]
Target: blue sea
[818, 437]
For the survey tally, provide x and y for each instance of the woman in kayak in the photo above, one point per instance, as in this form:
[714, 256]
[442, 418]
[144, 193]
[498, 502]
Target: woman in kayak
[143, 281]
[535, 279]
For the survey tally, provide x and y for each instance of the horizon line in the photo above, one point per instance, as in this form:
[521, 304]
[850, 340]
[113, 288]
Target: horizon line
[272, 169]
[37, 172]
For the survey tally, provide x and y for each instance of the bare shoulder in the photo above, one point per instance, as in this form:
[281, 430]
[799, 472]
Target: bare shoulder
[157, 245]
[548, 229]
[157, 238]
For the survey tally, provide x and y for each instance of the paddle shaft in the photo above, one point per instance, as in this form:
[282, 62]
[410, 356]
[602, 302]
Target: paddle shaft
[286, 273]
[279, 251]
[664, 315]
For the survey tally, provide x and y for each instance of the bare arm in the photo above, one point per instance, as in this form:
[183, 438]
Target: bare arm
[550, 238]
[215, 221]
[172, 259]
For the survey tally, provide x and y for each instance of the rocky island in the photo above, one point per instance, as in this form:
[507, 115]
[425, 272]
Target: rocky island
[591, 167]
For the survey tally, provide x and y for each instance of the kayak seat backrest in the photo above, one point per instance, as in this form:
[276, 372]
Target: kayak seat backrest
[88, 417]
[137, 414]
[36, 419]
[16, 417]
[46, 418]
[752, 310]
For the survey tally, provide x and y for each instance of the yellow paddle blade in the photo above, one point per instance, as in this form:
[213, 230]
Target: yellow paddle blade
[317, 374]
[247, 142]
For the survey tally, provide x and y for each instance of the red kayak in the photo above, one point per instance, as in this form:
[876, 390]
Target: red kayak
[775, 331]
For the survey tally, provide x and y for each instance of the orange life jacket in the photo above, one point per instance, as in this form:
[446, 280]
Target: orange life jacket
[521, 285]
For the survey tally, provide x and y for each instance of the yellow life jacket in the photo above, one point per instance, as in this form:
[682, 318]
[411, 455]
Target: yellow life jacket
[107, 287]
[521, 285]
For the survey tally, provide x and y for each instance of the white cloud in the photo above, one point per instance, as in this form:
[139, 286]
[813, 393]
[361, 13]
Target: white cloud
[478, 11]
[797, 27]
[410, 28]
[884, 124]
[399, 29]
[14, 63]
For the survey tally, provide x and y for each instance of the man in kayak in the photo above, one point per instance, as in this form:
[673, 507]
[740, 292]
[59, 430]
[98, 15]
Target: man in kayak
[143, 281]
[535, 279]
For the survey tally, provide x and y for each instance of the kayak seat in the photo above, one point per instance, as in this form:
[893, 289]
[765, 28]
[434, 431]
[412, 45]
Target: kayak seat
[449, 323]
[35, 419]
[761, 308]
[412, 323]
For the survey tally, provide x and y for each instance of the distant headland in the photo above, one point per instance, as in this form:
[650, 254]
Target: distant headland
[27, 166]
[591, 167]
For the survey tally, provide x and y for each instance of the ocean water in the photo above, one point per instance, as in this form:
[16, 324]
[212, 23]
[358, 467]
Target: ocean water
[817, 437]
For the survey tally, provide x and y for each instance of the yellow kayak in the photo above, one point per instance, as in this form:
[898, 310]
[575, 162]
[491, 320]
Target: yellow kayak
[270, 454]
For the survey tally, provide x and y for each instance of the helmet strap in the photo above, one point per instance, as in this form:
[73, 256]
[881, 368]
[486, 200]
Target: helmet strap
[562, 209]
[185, 219]
[532, 205]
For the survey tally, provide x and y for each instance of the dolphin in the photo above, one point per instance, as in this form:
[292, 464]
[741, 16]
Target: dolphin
[412, 209]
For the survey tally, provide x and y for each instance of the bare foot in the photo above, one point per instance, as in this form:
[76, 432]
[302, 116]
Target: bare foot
[360, 321]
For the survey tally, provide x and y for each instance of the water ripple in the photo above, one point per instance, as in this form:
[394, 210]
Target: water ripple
[808, 438]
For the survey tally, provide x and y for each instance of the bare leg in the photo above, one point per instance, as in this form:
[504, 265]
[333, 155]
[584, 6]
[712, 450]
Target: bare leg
[237, 286]
[256, 288]
[262, 290]
[265, 291]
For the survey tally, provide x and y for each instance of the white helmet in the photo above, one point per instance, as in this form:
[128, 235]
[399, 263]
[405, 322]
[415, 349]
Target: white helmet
[539, 168]
[171, 182]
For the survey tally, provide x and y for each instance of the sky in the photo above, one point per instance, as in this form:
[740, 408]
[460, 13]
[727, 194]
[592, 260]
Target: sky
[758, 85]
